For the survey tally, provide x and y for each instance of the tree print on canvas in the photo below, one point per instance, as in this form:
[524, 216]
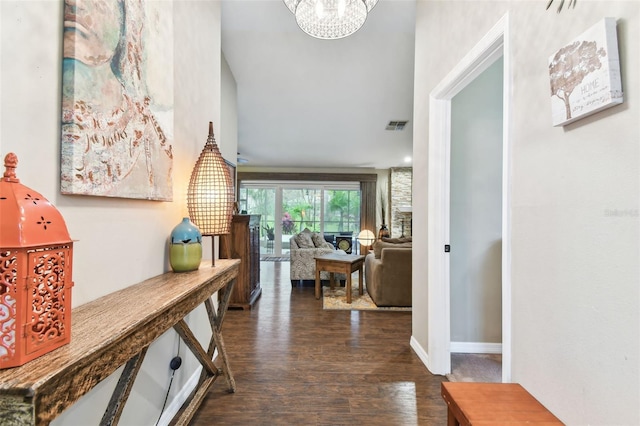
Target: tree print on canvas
[117, 99]
[585, 74]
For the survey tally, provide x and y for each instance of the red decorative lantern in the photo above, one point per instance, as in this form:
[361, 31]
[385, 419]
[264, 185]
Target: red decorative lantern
[35, 272]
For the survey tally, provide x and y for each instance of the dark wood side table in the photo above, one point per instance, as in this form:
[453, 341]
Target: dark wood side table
[341, 263]
[493, 404]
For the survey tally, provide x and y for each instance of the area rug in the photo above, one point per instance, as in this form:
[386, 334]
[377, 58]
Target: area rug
[336, 299]
[476, 368]
[275, 258]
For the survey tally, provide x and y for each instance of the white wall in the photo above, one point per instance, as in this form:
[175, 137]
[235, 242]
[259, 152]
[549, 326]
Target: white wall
[228, 114]
[575, 295]
[119, 242]
[476, 210]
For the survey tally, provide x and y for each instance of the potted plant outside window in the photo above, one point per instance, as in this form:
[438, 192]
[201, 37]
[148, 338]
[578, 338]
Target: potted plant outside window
[270, 231]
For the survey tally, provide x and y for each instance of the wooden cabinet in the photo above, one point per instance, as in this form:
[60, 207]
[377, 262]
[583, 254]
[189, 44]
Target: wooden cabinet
[244, 243]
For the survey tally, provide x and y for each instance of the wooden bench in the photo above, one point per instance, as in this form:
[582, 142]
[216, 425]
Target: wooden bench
[116, 330]
[493, 404]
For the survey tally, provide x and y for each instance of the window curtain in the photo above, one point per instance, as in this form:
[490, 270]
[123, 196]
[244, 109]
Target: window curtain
[368, 206]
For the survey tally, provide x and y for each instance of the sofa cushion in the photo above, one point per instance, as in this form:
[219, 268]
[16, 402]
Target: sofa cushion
[318, 240]
[303, 239]
[397, 240]
[379, 245]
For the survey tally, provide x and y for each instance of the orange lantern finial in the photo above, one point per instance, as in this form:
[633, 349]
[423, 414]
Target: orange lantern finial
[10, 164]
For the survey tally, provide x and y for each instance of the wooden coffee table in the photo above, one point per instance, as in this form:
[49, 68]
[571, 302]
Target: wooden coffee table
[341, 263]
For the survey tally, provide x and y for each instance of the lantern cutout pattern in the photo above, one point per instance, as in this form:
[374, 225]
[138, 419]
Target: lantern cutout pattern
[35, 272]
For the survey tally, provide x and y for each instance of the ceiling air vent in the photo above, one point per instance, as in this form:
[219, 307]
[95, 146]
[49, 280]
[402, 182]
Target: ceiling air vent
[396, 125]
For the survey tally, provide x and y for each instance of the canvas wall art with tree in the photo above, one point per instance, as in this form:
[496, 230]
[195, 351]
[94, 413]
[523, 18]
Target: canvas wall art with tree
[117, 99]
[585, 74]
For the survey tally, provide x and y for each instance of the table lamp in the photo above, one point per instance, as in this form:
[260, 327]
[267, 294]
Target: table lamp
[366, 239]
[210, 196]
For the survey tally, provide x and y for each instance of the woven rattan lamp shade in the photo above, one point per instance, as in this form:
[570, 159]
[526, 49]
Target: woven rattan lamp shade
[210, 196]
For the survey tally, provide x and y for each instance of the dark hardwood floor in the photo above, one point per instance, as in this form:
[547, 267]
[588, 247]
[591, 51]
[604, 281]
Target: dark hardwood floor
[295, 363]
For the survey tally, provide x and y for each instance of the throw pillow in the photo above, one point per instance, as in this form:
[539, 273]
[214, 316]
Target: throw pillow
[379, 245]
[318, 240]
[303, 240]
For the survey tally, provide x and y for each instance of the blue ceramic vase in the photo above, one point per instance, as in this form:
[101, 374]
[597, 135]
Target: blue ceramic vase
[185, 251]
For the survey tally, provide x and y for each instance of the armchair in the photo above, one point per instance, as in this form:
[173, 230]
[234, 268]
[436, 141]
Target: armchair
[303, 250]
[387, 272]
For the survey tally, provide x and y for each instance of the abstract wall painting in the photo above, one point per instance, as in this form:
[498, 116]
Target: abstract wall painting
[585, 74]
[117, 99]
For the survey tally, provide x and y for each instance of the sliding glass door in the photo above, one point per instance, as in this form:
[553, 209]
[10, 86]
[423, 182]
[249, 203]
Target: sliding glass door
[332, 209]
[261, 200]
[341, 211]
[301, 208]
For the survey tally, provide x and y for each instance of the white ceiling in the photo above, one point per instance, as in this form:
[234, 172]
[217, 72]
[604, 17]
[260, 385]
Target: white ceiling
[304, 102]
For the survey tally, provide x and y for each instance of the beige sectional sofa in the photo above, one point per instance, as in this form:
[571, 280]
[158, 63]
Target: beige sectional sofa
[388, 272]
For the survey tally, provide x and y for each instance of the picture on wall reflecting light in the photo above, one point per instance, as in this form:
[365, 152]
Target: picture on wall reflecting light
[232, 173]
[585, 74]
[117, 99]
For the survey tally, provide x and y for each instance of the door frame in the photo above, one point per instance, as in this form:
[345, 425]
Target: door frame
[491, 47]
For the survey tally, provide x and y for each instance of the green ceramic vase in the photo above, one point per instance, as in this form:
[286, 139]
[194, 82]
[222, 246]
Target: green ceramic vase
[185, 251]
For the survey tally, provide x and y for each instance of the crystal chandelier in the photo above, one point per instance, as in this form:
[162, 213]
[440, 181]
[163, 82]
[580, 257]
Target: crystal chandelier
[330, 19]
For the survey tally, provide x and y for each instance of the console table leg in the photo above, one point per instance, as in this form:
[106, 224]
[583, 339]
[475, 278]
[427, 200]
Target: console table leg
[123, 388]
[226, 369]
[216, 319]
[196, 349]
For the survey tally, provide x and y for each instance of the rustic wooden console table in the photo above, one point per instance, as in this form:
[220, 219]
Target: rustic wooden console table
[117, 329]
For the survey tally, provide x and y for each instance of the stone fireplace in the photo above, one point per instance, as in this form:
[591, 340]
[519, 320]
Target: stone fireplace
[400, 204]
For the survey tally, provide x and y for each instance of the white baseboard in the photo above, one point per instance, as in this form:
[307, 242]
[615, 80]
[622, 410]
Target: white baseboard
[419, 350]
[476, 348]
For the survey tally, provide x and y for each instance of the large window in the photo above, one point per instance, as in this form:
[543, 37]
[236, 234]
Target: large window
[288, 208]
[341, 211]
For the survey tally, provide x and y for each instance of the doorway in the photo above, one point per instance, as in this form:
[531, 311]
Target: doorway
[491, 48]
[475, 217]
